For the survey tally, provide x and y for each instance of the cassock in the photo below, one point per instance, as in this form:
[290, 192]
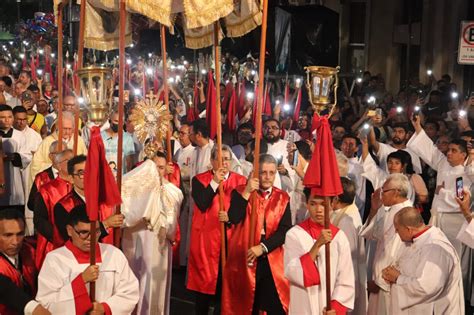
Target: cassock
[205, 247]
[307, 277]
[62, 290]
[48, 235]
[14, 142]
[466, 234]
[19, 279]
[387, 248]
[147, 207]
[243, 285]
[33, 140]
[349, 221]
[430, 280]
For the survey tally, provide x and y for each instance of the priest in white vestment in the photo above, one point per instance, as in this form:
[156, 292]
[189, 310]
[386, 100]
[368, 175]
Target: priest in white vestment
[64, 279]
[386, 202]
[427, 277]
[346, 217]
[17, 158]
[305, 269]
[151, 208]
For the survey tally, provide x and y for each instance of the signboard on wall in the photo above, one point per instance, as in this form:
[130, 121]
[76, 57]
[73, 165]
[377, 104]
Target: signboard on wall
[466, 43]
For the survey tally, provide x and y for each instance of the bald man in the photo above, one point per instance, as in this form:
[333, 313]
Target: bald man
[427, 277]
[41, 160]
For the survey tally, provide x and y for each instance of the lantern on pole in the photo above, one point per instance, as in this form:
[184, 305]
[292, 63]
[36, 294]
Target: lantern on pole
[322, 83]
[96, 88]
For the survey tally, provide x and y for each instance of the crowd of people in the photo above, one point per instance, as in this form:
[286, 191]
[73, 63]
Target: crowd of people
[401, 233]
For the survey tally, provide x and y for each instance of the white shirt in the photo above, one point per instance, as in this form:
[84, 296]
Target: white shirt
[466, 234]
[183, 158]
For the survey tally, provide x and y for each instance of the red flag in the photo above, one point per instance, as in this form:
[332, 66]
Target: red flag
[33, 68]
[322, 175]
[37, 61]
[241, 100]
[296, 113]
[255, 101]
[267, 109]
[211, 106]
[227, 94]
[231, 111]
[100, 188]
[191, 113]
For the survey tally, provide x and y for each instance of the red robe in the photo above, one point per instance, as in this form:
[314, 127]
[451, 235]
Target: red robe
[29, 273]
[51, 192]
[42, 178]
[205, 240]
[238, 291]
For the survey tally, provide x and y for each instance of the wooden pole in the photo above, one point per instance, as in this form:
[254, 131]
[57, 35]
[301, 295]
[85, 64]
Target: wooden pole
[217, 67]
[122, 65]
[328, 254]
[258, 119]
[59, 70]
[92, 261]
[166, 90]
[80, 63]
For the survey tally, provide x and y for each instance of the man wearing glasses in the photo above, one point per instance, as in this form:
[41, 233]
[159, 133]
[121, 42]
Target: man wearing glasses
[75, 169]
[380, 231]
[63, 282]
[45, 200]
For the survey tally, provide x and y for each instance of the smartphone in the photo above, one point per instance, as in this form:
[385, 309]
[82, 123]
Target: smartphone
[371, 113]
[378, 112]
[279, 160]
[295, 158]
[471, 95]
[364, 130]
[459, 188]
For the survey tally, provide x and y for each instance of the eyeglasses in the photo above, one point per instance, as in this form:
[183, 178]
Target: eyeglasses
[79, 174]
[84, 234]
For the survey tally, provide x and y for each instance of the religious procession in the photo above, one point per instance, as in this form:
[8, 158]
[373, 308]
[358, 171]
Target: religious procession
[236, 157]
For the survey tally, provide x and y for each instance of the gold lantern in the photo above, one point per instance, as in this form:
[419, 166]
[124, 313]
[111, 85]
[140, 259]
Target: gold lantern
[321, 82]
[96, 90]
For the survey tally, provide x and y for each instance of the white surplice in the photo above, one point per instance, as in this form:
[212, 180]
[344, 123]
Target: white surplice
[466, 234]
[116, 286]
[14, 192]
[444, 202]
[387, 248]
[430, 280]
[311, 300]
[349, 221]
[355, 173]
[148, 205]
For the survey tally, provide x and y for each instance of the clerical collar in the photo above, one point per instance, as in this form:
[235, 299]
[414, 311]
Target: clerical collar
[13, 259]
[7, 134]
[421, 232]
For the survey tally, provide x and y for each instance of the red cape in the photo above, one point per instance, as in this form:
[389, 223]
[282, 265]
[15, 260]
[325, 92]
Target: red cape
[238, 291]
[205, 240]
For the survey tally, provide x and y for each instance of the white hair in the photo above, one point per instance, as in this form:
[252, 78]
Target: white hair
[53, 148]
[342, 164]
[400, 182]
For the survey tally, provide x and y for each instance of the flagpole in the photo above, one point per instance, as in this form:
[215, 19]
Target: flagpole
[166, 90]
[92, 261]
[327, 255]
[219, 134]
[122, 65]
[258, 119]
[80, 54]
[59, 71]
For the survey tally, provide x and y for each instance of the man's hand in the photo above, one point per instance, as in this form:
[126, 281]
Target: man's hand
[219, 175]
[329, 312]
[40, 310]
[390, 274]
[114, 221]
[97, 309]
[375, 202]
[324, 238]
[252, 185]
[372, 287]
[253, 253]
[465, 205]
[91, 274]
[170, 168]
[416, 121]
[223, 217]
[282, 170]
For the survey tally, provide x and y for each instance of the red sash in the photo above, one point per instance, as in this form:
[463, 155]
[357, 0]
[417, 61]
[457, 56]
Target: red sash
[238, 291]
[28, 272]
[51, 193]
[205, 239]
[42, 178]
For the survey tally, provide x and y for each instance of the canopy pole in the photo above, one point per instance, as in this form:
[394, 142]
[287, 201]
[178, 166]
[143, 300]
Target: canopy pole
[327, 254]
[59, 71]
[258, 120]
[80, 63]
[166, 89]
